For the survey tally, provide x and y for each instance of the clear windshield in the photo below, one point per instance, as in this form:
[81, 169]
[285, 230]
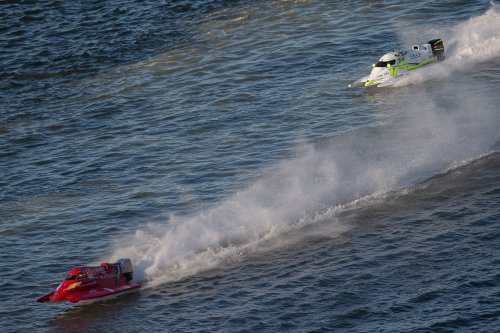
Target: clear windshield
[75, 277]
[385, 63]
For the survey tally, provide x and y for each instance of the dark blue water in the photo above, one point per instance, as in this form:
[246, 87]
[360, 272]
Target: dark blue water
[218, 146]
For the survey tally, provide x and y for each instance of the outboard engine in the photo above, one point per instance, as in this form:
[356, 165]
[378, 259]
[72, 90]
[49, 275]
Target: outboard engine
[126, 266]
[437, 49]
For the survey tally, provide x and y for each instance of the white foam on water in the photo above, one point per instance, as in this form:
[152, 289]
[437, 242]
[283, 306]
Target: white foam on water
[321, 181]
[467, 44]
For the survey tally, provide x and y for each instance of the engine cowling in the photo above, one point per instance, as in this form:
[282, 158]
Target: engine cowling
[437, 49]
[126, 267]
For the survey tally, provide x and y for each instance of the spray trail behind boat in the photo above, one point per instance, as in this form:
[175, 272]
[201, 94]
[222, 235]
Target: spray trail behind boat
[432, 135]
[468, 44]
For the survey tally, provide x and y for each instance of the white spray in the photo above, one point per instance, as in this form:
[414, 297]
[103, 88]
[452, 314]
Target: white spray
[423, 142]
[467, 45]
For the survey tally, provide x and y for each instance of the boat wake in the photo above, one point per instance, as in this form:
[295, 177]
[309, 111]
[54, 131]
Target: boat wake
[432, 136]
[467, 45]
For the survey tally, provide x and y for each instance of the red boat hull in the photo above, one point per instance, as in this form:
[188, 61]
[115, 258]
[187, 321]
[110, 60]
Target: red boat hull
[91, 294]
[103, 292]
[87, 283]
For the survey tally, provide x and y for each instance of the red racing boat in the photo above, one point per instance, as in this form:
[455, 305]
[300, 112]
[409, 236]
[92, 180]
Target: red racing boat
[86, 283]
